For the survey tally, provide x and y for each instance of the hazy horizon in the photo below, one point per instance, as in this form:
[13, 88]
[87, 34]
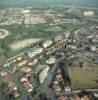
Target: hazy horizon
[12, 3]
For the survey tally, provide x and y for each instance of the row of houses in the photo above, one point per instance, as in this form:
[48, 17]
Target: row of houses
[24, 78]
[74, 97]
[58, 84]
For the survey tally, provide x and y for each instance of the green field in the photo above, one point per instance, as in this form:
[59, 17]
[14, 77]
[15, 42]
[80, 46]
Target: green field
[54, 29]
[84, 78]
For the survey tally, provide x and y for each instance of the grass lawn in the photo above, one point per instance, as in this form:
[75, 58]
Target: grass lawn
[84, 78]
[2, 50]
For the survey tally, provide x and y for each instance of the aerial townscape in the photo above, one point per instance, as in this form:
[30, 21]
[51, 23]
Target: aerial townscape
[48, 51]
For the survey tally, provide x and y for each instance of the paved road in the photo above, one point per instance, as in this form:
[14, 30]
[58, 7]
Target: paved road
[2, 96]
[43, 88]
[77, 91]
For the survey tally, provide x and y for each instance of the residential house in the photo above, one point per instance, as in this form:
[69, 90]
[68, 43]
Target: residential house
[47, 43]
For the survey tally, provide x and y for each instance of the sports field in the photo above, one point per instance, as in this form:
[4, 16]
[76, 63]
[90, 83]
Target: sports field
[84, 78]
